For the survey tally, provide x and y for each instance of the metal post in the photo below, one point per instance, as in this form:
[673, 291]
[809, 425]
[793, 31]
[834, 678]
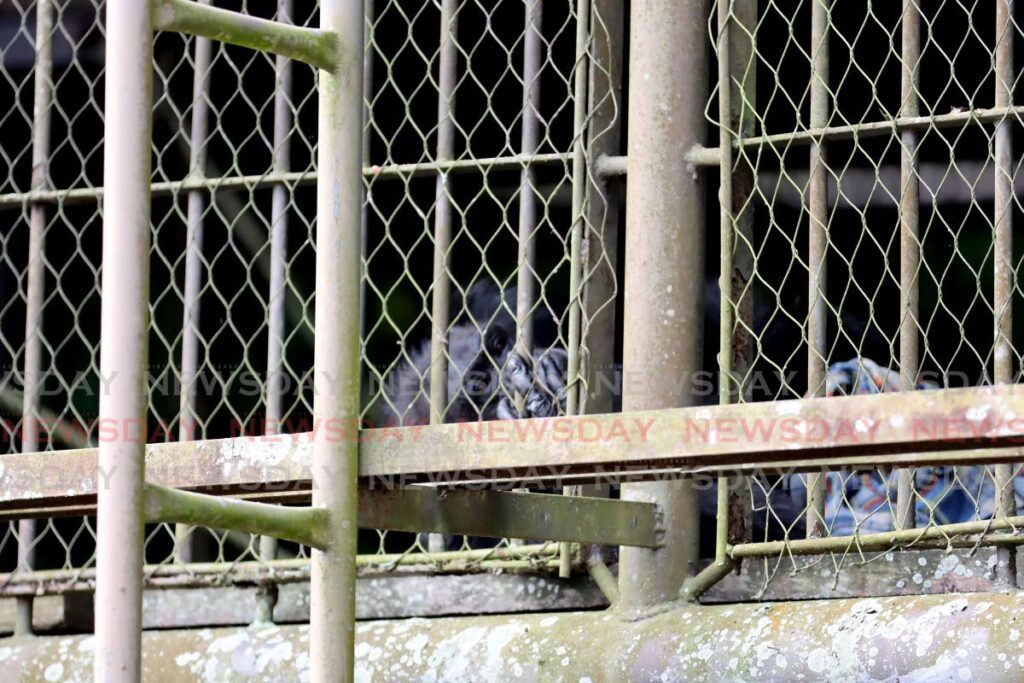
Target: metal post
[725, 376]
[276, 332]
[910, 245]
[188, 420]
[336, 356]
[124, 331]
[665, 264]
[604, 93]
[529, 142]
[32, 375]
[441, 294]
[1006, 504]
[817, 246]
[580, 180]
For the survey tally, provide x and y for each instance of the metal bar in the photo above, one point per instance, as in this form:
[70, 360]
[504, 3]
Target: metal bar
[301, 525]
[125, 332]
[603, 137]
[315, 47]
[577, 388]
[874, 542]
[278, 285]
[910, 244]
[529, 142]
[725, 271]
[441, 290]
[188, 419]
[743, 120]
[337, 352]
[511, 514]
[817, 246]
[665, 263]
[36, 282]
[963, 426]
[579, 197]
[296, 178]
[957, 119]
[1004, 272]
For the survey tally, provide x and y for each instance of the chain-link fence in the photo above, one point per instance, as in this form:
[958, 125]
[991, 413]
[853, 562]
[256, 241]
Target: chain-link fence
[482, 227]
[870, 196]
[873, 192]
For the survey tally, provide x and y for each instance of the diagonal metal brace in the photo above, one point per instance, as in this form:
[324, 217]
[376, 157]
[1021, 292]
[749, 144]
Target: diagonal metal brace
[301, 525]
[312, 46]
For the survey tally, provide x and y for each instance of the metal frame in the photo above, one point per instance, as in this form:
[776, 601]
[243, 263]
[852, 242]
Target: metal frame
[655, 522]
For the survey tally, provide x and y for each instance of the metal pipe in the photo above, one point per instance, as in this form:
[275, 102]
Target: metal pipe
[725, 225]
[513, 162]
[603, 136]
[125, 333]
[910, 245]
[580, 191]
[877, 541]
[314, 47]
[529, 142]
[301, 525]
[337, 350]
[668, 70]
[817, 246]
[278, 294]
[441, 290]
[1004, 272]
[188, 419]
[35, 290]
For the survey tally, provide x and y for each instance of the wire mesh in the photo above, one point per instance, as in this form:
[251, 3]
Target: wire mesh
[471, 129]
[876, 236]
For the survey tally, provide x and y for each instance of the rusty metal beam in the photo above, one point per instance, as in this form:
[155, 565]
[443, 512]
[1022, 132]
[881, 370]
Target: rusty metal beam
[963, 426]
[511, 515]
[938, 637]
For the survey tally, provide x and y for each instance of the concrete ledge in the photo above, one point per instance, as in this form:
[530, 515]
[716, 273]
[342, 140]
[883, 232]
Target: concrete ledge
[937, 637]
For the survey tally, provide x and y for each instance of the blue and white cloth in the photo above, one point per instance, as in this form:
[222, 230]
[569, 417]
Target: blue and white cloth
[864, 501]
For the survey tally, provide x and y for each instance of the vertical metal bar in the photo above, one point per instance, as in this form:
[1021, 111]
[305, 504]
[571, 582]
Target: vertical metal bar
[817, 246]
[367, 94]
[337, 353]
[188, 421]
[743, 120]
[1006, 504]
[276, 332]
[910, 245]
[604, 94]
[124, 332]
[668, 71]
[32, 375]
[725, 224]
[441, 293]
[579, 195]
[529, 143]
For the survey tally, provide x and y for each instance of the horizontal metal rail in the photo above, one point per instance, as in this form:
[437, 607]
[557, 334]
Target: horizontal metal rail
[890, 539]
[203, 574]
[711, 156]
[514, 162]
[949, 427]
[312, 46]
[511, 514]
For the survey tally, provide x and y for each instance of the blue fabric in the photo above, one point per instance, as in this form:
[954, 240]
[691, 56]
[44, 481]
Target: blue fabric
[864, 501]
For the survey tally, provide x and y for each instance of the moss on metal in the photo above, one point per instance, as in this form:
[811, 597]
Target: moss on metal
[312, 46]
[302, 525]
